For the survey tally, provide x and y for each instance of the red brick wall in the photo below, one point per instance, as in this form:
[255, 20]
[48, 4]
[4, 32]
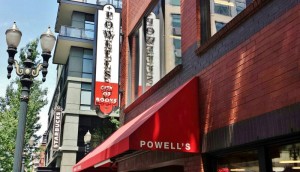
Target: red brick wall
[193, 164]
[132, 12]
[190, 23]
[260, 75]
[135, 10]
[124, 60]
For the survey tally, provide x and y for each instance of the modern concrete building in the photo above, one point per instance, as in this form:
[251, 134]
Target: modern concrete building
[70, 115]
[231, 104]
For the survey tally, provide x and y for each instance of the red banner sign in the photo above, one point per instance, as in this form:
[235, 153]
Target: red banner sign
[106, 96]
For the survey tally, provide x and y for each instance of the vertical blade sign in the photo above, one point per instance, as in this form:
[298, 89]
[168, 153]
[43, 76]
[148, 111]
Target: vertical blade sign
[107, 60]
[56, 128]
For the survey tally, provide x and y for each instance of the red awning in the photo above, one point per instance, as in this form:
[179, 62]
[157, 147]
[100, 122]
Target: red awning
[172, 124]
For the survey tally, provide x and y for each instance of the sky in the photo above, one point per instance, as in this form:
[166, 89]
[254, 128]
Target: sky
[33, 18]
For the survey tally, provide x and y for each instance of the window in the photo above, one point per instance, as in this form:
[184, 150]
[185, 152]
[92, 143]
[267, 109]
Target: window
[89, 26]
[85, 96]
[271, 156]
[286, 157]
[87, 63]
[155, 47]
[83, 25]
[222, 11]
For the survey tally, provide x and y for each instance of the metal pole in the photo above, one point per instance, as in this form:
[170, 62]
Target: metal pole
[87, 148]
[23, 162]
[26, 83]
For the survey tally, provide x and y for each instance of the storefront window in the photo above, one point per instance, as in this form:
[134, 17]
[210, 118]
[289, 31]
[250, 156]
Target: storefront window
[244, 161]
[286, 158]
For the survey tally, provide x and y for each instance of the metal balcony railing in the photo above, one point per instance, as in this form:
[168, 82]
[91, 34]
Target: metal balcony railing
[115, 3]
[76, 33]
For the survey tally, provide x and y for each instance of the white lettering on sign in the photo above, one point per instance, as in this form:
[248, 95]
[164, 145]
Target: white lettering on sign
[149, 51]
[56, 128]
[106, 93]
[108, 35]
[165, 145]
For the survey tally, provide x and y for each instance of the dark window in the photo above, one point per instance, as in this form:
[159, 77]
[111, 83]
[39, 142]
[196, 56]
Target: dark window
[100, 129]
[89, 26]
[244, 161]
[87, 63]
[271, 156]
[286, 157]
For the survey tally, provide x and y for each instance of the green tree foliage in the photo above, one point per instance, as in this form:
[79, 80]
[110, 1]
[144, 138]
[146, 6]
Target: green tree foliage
[9, 111]
[100, 133]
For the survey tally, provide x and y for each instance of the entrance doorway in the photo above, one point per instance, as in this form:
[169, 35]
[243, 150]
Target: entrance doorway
[172, 168]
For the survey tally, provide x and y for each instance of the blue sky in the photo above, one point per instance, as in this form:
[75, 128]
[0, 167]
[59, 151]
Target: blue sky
[32, 18]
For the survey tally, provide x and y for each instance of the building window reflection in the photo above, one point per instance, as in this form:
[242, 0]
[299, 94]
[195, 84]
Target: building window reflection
[219, 25]
[175, 2]
[222, 11]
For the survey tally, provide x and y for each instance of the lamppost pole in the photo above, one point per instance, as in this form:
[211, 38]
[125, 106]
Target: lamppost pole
[23, 162]
[26, 83]
[27, 150]
[87, 140]
[26, 72]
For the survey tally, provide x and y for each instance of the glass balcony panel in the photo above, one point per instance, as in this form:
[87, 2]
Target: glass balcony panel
[76, 33]
[115, 3]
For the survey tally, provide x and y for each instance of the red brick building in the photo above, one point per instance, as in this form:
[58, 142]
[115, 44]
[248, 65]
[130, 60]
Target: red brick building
[236, 86]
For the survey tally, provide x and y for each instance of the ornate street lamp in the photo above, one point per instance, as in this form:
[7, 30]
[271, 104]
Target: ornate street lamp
[26, 72]
[87, 140]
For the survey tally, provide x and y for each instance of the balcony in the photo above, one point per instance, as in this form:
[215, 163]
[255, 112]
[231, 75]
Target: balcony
[115, 3]
[67, 7]
[71, 37]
